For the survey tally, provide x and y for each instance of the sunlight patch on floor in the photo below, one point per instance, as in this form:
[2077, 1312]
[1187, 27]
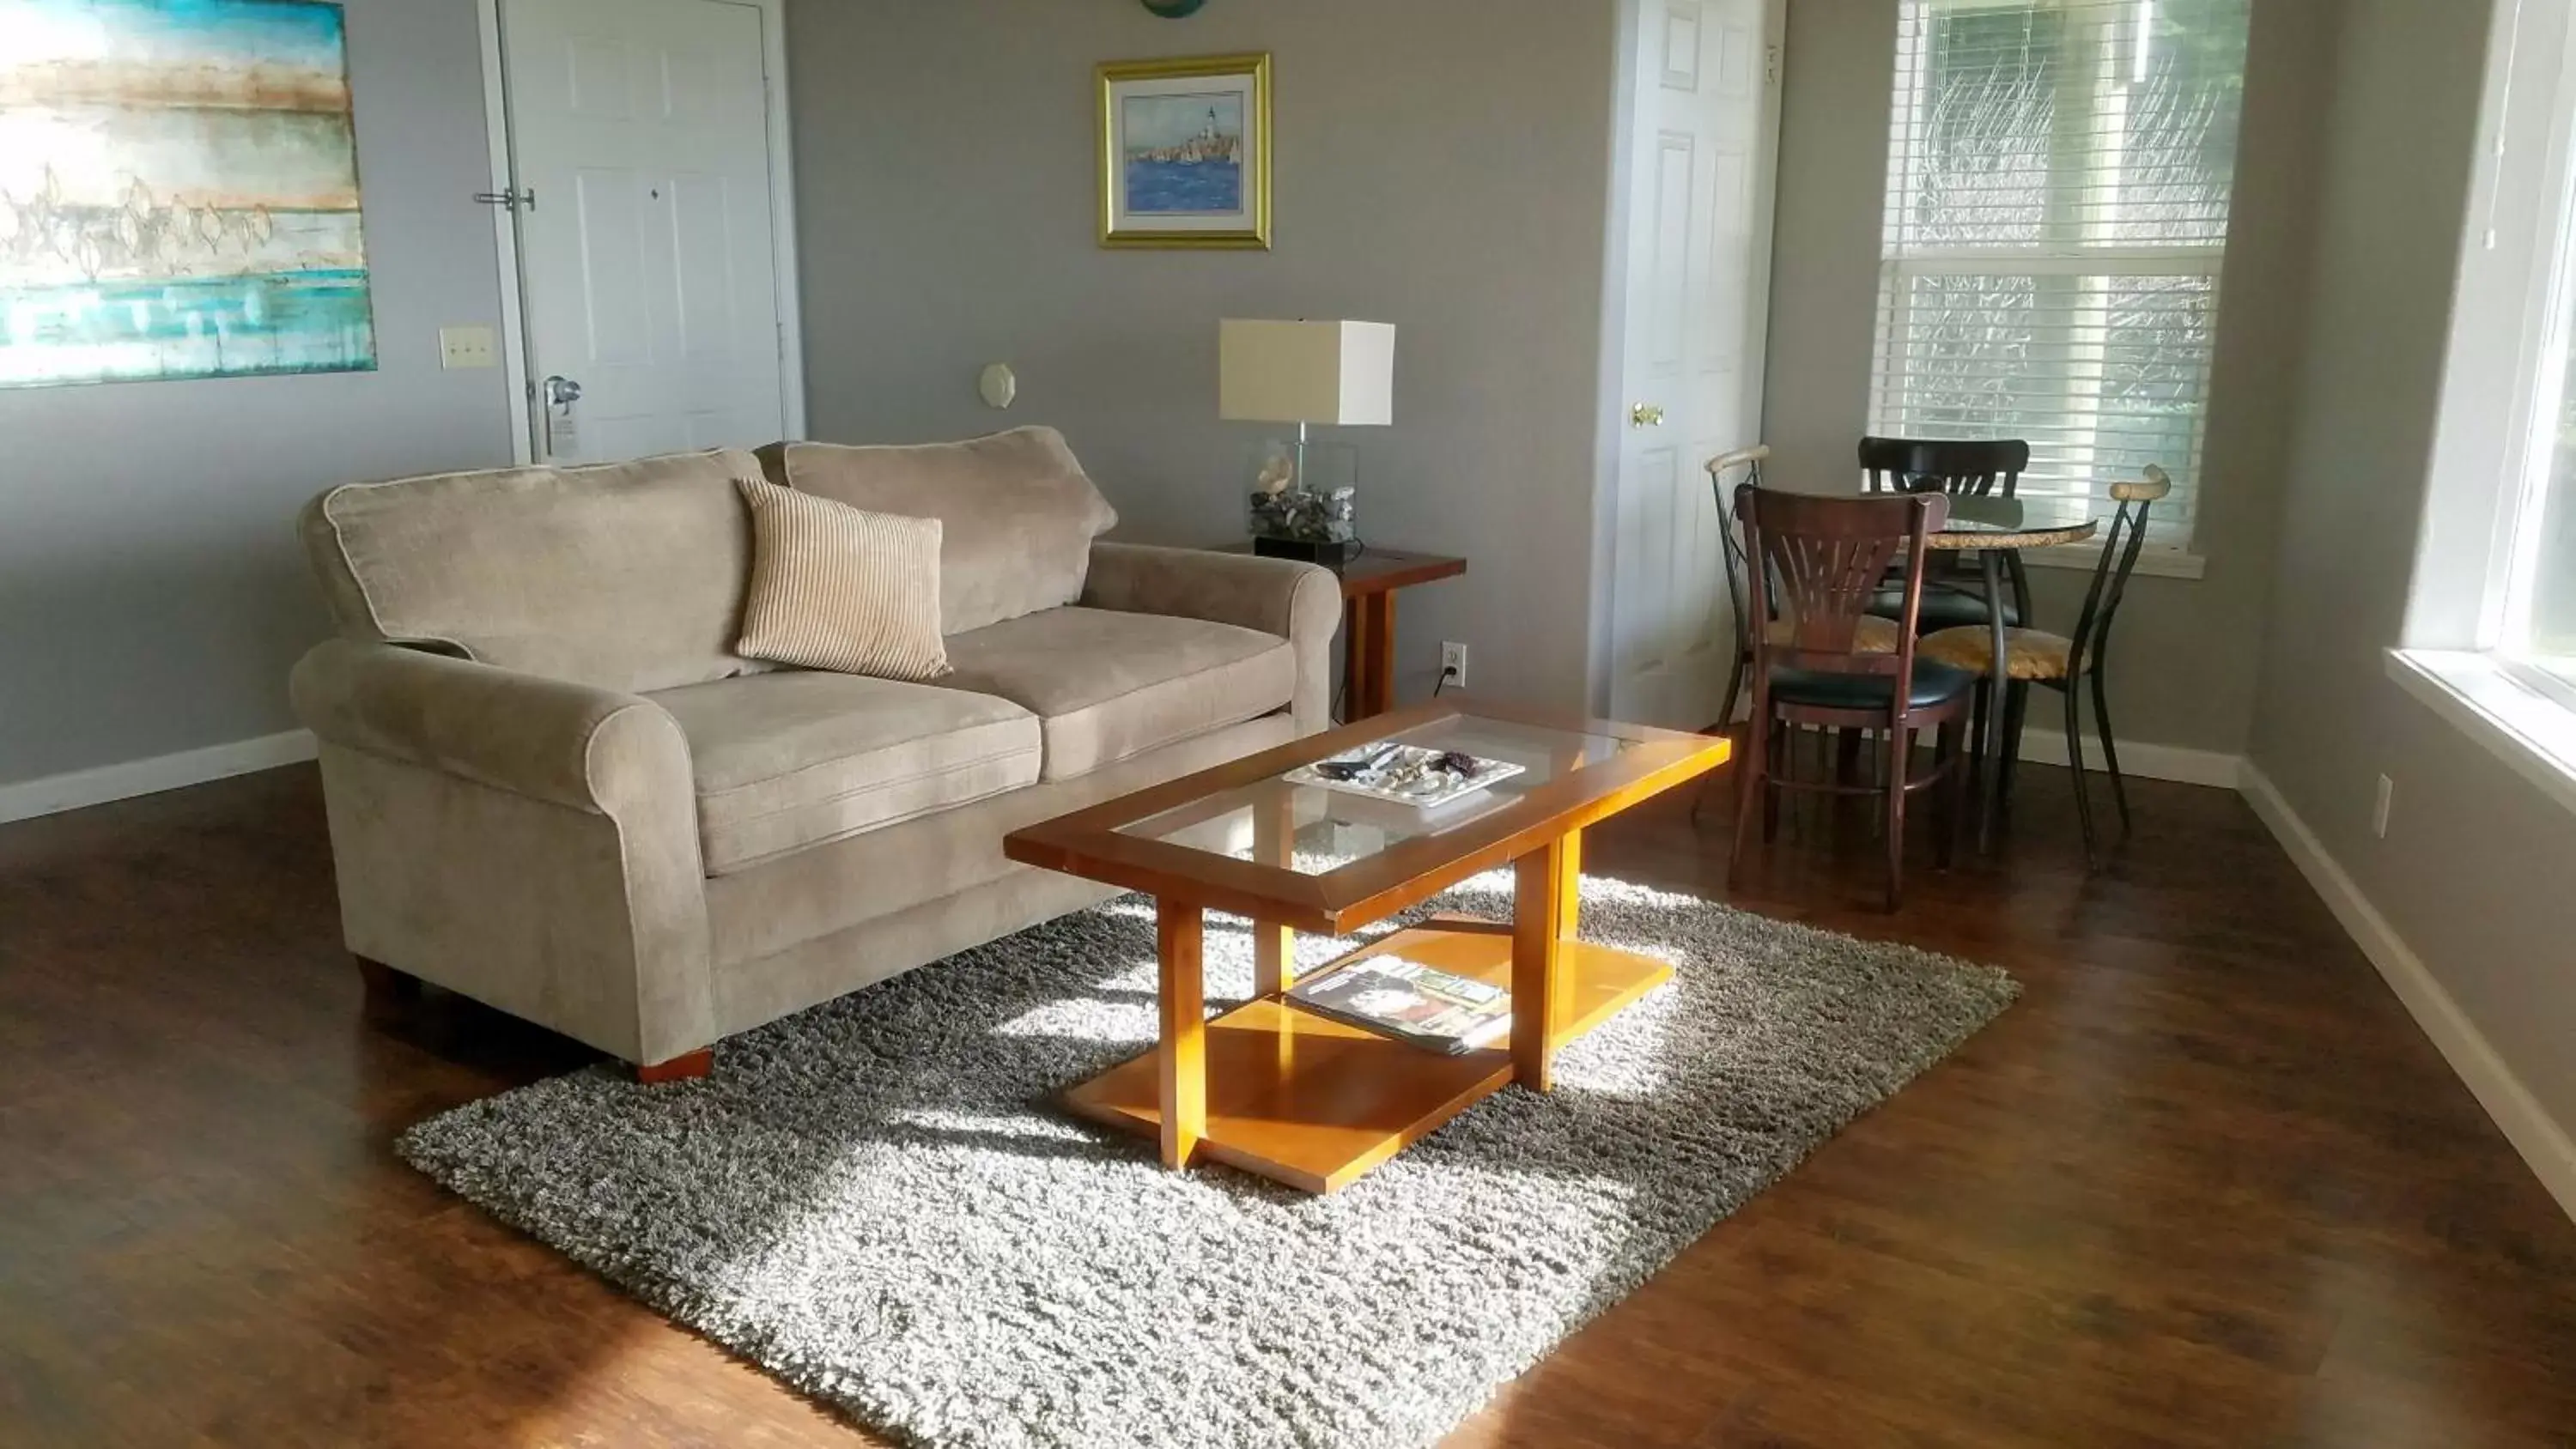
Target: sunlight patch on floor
[1020, 1125]
[1091, 1019]
[1645, 1028]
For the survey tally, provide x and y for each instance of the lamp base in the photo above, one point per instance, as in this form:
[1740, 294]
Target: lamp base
[1331, 553]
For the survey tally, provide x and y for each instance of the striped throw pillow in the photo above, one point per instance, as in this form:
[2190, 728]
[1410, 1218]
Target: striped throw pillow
[835, 587]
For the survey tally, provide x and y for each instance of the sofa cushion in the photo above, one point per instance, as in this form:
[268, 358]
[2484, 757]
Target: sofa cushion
[810, 894]
[783, 761]
[624, 576]
[836, 587]
[1017, 511]
[1108, 685]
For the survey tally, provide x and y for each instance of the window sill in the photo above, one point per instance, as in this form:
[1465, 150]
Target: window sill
[2153, 563]
[2534, 734]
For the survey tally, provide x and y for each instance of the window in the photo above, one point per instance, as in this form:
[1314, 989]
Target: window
[2536, 631]
[2490, 633]
[2059, 178]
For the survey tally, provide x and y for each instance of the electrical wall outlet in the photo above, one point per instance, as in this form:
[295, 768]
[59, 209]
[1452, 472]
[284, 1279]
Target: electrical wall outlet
[460, 347]
[2379, 807]
[1453, 664]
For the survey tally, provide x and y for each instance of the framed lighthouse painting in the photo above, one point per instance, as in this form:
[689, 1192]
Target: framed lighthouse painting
[1185, 152]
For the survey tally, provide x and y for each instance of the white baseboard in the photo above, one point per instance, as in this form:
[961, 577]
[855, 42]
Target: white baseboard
[2545, 1146]
[2138, 760]
[2143, 761]
[28, 799]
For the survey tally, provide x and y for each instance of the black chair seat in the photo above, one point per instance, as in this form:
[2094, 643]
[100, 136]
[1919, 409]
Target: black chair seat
[1933, 684]
[1943, 608]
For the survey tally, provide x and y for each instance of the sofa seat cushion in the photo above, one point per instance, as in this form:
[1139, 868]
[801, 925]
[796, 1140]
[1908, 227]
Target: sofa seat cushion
[1107, 685]
[783, 761]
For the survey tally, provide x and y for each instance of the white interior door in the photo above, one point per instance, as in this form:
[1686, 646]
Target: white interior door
[647, 260]
[1705, 152]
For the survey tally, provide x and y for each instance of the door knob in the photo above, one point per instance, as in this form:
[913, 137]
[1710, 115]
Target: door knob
[1645, 415]
[562, 392]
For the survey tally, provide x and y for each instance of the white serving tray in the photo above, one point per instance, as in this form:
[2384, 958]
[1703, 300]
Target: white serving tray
[1400, 781]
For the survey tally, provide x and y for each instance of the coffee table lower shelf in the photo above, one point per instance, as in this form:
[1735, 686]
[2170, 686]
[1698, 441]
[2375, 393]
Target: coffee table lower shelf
[1314, 1103]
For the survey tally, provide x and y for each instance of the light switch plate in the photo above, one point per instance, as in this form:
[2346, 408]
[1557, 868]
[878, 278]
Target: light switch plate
[460, 347]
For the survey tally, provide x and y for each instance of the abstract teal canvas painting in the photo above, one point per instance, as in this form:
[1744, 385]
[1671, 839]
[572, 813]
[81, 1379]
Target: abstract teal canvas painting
[178, 192]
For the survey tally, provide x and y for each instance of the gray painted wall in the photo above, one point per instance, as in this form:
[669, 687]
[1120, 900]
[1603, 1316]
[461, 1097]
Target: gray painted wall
[152, 596]
[1442, 165]
[2186, 653]
[2474, 872]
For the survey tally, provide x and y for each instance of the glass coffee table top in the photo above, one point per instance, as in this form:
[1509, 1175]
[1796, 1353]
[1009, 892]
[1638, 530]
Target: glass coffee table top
[1241, 837]
[1312, 830]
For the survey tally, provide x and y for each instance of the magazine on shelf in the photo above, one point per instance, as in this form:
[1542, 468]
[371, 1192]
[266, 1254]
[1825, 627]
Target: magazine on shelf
[1402, 774]
[1411, 1002]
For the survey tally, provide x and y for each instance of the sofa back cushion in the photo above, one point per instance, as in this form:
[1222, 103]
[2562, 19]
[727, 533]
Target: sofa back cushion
[1017, 513]
[625, 576]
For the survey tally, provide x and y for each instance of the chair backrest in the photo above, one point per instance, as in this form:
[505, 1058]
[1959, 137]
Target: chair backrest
[1960, 469]
[1750, 460]
[1818, 563]
[2121, 544]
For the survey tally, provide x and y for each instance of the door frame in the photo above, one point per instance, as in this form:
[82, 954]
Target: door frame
[782, 225]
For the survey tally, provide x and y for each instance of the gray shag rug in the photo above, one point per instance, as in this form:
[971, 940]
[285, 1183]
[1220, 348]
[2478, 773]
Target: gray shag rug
[877, 1201]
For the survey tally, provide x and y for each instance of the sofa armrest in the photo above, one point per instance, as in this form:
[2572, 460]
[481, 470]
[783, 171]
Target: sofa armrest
[1299, 602]
[529, 842]
[570, 744]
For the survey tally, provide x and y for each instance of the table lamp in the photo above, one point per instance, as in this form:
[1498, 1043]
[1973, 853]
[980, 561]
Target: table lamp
[1335, 373]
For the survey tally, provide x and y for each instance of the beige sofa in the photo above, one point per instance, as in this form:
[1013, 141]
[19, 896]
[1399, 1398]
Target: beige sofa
[553, 786]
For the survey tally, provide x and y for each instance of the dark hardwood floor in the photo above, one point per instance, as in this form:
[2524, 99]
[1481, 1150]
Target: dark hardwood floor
[2205, 1184]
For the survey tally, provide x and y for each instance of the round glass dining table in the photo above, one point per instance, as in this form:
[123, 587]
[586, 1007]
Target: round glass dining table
[2014, 523]
[1998, 528]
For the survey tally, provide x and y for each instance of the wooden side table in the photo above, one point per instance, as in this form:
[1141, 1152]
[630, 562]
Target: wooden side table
[1369, 583]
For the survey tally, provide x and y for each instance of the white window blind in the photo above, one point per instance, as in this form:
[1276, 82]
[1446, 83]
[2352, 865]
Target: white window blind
[2059, 178]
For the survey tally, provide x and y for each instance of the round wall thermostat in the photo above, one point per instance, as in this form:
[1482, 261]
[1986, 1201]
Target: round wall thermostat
[998, 384]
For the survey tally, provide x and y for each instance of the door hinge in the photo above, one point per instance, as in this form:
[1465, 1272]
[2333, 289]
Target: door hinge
[1771, 65]
[511, 201]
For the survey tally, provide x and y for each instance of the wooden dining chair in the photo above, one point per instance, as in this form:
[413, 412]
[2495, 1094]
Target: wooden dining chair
[2063, 662]
[1969, 468]
[1876, 635]
[1815, 563]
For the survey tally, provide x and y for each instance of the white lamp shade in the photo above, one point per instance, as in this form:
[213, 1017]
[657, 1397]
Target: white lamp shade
[1306, 372]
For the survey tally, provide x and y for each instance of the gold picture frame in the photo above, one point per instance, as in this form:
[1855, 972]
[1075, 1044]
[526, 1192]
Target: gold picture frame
[1184, 152]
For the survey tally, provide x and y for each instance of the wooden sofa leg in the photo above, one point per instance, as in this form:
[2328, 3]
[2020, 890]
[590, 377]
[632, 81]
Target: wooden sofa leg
[687, 1067]
[384, 985]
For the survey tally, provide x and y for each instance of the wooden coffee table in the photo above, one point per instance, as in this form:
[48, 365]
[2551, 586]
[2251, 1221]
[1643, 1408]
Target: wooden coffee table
[1277, 1090]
